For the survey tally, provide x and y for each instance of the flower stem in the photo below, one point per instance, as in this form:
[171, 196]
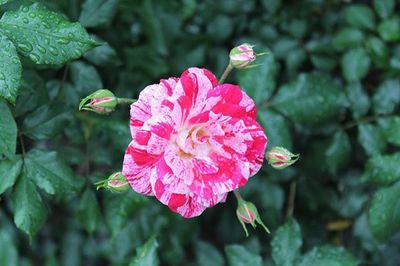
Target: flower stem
[227, 71]
[125, 100]
[237, 194]
[363, 120]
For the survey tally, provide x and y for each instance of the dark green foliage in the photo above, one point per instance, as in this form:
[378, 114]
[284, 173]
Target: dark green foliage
[328, 89]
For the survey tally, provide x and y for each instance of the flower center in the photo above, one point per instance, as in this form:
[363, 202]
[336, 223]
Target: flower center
[193, 142]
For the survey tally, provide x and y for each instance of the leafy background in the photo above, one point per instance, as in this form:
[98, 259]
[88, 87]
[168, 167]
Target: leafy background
[329, 90]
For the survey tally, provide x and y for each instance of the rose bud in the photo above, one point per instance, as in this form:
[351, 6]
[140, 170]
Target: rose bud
[241, 56]
[247, 214]
[101, 102]
[115, 183]
[280, 158]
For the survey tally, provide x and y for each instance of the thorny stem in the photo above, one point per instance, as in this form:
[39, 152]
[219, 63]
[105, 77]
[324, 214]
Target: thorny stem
[291, 198]
[227, 71]
[237, 194]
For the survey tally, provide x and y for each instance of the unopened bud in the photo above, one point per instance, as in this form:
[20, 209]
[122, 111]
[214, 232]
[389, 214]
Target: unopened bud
[101, 102]
[241, 56]
[247, 214]
[280, 158]
[115, 183]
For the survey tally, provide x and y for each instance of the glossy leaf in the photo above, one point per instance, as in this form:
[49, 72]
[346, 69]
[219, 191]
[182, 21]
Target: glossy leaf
[259, 82]
[286, 243]
[355, 64]
[384, 8]
[382, 169]
[358, 98]
[387, 97]
[360, 16]
[310, 92]
[371, 139]
[10, 70]
[207, 254]
[50, 173]
[276, 127]
[89, 212]
[9, 171]
[389, 29]
[44, 36]
[8, 131]
[338, 152]
[97, 12]
[392, 131]
[146, 255]
[329, 255]
[384, 213]
[46, 122]
[347, 38]
[29, 210]
[239, 256]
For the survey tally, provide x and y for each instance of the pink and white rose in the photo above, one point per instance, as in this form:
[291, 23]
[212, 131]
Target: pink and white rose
[193, 141]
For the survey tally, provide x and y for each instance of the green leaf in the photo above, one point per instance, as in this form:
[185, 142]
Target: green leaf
[46, 121]
[29, 210]
[8, 251]
[10, 70]
[239, 256]
[2, 2]
[382, 169]
[50, 173]
[89, 211]
[384, 8]
[387, 97]
[384, 213]
[324, 62]
[300, 98]
[276, 128]
[389, 29]
[85, 78]
[371, 139]
[272, 5]
[152, 27]
[329, 256]
[358, 98]
[286, 243]
[9, 171]
[103, 55]
[392, 131]
[97, 12]
[355, 64]
[377, 49]
[44, 36]
[8, 131]
[259, 82]
[360, 16]
[207, 254]
[146, 255]
[338, 152]
[347, 38]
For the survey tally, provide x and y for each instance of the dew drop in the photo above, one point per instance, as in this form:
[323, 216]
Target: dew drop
[25, 47]
[53, 50]
[63, 41]
[25, 9]
[25, 20]
[2, 77]
[34, 57]
[41, 49]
